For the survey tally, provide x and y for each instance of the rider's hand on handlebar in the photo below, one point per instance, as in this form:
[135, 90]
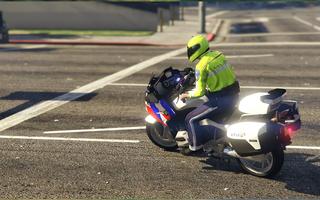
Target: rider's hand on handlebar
[183, 96]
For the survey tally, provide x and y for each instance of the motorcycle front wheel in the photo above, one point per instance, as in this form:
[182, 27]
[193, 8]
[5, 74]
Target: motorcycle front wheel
[264, 165]
[161, 136]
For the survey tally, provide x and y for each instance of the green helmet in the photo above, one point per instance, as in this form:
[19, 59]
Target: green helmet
[197, 46]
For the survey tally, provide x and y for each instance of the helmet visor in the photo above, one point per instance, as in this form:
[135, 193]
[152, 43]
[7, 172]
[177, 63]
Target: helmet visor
[192, 50]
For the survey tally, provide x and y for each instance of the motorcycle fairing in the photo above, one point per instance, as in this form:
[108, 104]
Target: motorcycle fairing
[160, 111]
[190, 103]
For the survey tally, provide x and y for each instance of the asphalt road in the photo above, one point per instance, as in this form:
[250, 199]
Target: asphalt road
[49, 168]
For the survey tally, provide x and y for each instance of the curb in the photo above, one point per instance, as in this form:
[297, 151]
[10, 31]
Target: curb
[211, 36]
[96, 43]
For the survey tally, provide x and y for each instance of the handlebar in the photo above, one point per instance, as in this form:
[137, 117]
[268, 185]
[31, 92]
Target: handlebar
[169, 83]
[187, 80]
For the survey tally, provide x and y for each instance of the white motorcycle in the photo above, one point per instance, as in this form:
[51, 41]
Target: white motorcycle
[257, 137]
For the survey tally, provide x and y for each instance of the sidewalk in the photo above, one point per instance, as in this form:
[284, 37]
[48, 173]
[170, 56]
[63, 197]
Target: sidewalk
[176, 35]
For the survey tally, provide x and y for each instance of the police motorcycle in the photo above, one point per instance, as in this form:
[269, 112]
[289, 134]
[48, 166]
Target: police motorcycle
[256, 133]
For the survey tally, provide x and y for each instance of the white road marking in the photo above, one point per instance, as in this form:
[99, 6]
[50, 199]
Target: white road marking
[318, 18]
[178, 58]
[216, 14]
[303, 147]
[302, 21]
[67, 139]
[306, 23]
[233, 56]
[245, 44]
[272, 34]
[111, 140]
[130, 84]
[250, 56]
[46, 106]
[288, 88]
[261, 19]
[97, 130]
[33, 46]
[250, 20]
[243, 87]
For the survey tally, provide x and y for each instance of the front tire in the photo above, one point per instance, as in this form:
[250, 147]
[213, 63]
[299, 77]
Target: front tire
[161, 136]
[264, 165]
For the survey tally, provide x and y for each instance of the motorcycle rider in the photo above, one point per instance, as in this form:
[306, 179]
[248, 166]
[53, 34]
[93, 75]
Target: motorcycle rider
[215, 79]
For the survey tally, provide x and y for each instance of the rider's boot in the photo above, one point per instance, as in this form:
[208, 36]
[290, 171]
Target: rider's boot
[183, 142]
[182, 139]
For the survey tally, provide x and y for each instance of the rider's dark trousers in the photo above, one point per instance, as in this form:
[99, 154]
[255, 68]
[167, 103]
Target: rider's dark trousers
[218, 105]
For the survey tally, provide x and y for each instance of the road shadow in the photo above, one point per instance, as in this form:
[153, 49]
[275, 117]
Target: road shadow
[33, 98]
[250, 27]
[23, 49]
[300, 172]
[229, 165]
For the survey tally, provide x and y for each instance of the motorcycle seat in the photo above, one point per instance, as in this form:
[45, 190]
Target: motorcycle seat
[254, 117]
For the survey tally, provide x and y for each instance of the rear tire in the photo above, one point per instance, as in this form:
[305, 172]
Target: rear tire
[273, 160]
[161, 136]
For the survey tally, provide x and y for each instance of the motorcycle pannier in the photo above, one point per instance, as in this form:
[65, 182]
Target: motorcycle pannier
[251, 138]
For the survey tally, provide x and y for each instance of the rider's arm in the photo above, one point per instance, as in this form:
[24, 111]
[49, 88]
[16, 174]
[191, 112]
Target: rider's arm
[201, 81]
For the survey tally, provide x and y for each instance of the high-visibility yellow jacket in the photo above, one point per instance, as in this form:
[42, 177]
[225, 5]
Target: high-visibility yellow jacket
[213, 73]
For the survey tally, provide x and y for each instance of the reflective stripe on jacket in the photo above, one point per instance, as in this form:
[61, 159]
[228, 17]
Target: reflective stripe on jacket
[213, 73]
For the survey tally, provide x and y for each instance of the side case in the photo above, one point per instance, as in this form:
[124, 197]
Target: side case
[252, 138]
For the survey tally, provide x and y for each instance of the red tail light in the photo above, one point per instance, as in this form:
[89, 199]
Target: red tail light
[286, 135]
[289, 131]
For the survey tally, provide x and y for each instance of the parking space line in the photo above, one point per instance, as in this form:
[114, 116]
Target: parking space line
[271, 34]
[244, 87]
[306, 23]
[46, 106]
[111, 140]
[229, 57]
[216, 14]
[67, 139]
[250, 56]
[287, 88]
[130, 84]
[261, 44]
[39, 46]
[96, 130]
[303, 147]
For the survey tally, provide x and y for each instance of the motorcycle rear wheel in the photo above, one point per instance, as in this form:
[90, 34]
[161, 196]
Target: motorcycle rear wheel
[161, 136]
[264, 165]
